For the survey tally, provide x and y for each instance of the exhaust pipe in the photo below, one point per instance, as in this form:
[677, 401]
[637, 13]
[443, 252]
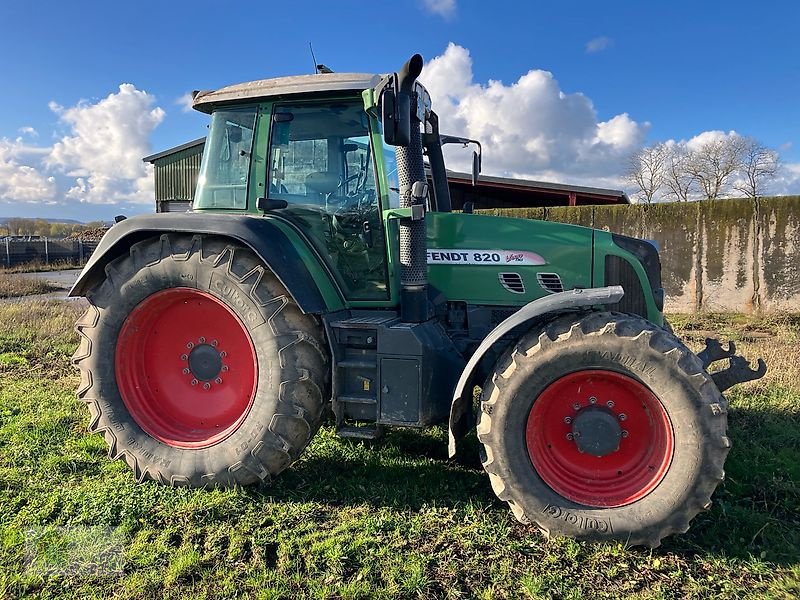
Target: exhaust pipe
[413, 192]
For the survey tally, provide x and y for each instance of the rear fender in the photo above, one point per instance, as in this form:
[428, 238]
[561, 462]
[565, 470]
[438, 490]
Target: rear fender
[555, 303]
[262, 235]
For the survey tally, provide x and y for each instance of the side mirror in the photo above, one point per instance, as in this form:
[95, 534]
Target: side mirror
[396, 112]
[476, 154]
[476, 166]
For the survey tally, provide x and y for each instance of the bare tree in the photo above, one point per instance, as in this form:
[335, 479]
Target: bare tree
[43, 227]
[15, 226]
[758, 163]
[713, 163]
[677, 180]
[646, 170]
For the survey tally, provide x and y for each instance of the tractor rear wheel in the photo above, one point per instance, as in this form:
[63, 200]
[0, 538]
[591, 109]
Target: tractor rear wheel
[604, 427]
[197, 366]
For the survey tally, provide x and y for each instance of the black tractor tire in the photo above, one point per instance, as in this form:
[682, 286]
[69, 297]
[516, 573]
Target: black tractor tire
[278, 380]
[623, 348]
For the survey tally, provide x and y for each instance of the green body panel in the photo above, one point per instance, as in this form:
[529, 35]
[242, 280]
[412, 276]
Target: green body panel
[567, 251]
[324, 280]
[604, 246]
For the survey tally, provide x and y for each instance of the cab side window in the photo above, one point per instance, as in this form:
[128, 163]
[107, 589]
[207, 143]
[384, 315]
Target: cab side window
[223, 178]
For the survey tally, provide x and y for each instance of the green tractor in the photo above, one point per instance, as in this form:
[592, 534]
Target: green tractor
[320, 269]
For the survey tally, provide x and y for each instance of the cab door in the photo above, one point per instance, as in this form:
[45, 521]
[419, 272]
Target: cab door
[320, 162]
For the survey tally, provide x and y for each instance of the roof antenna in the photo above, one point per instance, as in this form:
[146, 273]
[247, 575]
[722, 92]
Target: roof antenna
[318, 67]
[313, 58]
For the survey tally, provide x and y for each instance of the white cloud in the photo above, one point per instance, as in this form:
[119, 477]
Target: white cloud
[29, 131]
[785, 182]
[444, 8]
[706, 137]
[598, 44]
[105, 146]
[20, 182]
[530, 128]
[185, 102]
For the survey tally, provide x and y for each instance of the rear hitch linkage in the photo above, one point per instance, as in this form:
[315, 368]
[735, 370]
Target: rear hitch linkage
[739, 370]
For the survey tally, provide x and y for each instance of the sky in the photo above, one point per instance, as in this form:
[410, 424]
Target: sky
[556, 91]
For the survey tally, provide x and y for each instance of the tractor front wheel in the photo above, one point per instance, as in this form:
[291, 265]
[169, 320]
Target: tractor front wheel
[197, 366]
[603, 427]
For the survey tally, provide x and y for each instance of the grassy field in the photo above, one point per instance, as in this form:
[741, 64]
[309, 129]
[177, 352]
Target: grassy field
[19, 285]
[392, 519]
[39, 267]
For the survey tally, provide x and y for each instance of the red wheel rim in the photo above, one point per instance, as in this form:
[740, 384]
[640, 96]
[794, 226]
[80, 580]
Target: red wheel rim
[186, 368]
[556, 434]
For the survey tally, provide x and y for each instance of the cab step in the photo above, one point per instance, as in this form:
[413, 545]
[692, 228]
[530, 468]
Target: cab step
[357, 399]
[361, 432]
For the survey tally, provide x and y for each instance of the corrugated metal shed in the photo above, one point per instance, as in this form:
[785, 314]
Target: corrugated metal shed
[176, 172]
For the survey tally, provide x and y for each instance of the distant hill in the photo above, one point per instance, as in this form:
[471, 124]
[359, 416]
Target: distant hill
[4, 220]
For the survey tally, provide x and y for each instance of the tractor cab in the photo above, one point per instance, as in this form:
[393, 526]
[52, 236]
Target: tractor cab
[320, 163]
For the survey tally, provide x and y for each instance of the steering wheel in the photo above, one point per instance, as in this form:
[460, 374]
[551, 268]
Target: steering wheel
[351, 213]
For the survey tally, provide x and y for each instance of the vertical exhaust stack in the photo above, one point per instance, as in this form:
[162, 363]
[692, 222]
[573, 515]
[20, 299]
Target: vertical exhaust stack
[411, 171]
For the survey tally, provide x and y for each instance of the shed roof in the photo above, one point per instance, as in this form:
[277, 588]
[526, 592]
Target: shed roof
[204, 101]
[169, 152]
[615, 196]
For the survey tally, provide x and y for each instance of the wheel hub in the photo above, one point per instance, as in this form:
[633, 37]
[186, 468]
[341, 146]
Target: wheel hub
[596, 431]
[173, 353]
[205, 362]
[599, 438]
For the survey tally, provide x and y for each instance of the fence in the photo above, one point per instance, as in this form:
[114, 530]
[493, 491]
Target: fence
[725, 255]
[44, 251]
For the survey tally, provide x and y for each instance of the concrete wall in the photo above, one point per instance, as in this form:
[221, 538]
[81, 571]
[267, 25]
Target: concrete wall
[726, 255]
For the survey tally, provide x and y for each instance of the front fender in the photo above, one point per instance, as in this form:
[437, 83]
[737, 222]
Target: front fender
[262, 235]
[462, 396]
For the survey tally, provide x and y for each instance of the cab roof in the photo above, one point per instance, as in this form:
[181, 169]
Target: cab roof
[206, 101]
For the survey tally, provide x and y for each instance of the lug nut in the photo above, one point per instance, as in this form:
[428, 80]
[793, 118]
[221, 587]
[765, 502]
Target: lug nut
[194, 381]
[567, 420]
[218, 380]
[186, 371]
[206, 386]
[576, 406]
[622, 416]
[190, 345]
[224, 368]
[624, 433]
[214, 343]
[202, 340]
[223, 354]
[184, 357]
[570, 437]
[592, 400]
[610, 404]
